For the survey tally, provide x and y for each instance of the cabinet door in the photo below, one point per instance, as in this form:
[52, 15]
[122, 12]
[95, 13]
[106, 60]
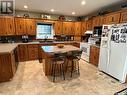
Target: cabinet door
[83, 27]
[58, 28]
[77, 28]
[10, 27]
[20, 26]
[94, 55]
[123, 17]
[23, 53]
[30, 26]
[65, 28]
[96, 21]
[7, 26]
[71, 28]
[113, 18]
[2, 26]
[32, 52]
[89, 24]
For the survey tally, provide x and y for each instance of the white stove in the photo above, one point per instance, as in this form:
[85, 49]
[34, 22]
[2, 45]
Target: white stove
[86, 51]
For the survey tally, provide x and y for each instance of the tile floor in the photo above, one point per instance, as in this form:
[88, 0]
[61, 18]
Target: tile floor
[30, 80]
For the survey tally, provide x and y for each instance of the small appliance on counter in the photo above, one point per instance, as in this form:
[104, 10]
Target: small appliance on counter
[25, 38]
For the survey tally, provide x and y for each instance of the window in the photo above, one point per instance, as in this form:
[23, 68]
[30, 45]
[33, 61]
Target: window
[44, 31]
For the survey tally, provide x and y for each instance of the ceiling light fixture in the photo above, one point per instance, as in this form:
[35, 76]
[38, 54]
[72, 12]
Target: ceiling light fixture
[73, 13]
[83, 3]
[25, 6]
[52, 10]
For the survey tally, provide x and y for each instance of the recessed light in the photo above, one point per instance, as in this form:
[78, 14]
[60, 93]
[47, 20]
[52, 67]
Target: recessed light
[73, 13]
[83, 2]
[25, 6]
[52, 10]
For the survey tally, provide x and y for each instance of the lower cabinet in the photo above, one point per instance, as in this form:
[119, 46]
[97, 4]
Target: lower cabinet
[94, 55]
[8, 65]
[32, 52]
[28, 52]
[23, 55]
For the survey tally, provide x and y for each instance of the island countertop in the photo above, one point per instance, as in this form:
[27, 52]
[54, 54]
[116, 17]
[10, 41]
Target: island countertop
[7, 48]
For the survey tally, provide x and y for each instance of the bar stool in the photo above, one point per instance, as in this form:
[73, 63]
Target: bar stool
[58, 59]
[74, 57]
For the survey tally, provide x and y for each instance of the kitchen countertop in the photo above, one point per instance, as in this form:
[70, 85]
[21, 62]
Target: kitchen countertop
[8, 47]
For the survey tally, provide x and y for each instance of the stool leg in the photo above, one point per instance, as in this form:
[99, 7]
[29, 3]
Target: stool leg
[63, 71]
[54, 72]
[72, 67]
[78, 68]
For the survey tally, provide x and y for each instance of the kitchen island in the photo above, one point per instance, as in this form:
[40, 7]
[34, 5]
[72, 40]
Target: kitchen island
[47, 52]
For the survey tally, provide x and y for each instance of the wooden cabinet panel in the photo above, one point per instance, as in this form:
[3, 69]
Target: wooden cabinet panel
[58, 28]
[83, 27]
[94, 55]
[123, 18]
[96, 21]
[89, 24]
[8, 66]
[22, 53]
[77, 28]
[32, 52]
[113, 18]
[7, 26]
[30, 26]
[20, 26]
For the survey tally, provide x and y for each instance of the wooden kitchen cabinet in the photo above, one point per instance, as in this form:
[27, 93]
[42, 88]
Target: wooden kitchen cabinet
[89, 24]
[8, 65]
[96, 21]
[83, 27]
[58, 27]
[20, 26]
[23, 53]
[94, 55]
[32, 52]
[25, 26]
[30, 26]
[77, 28]
[123, 18]
[113, 18]
[7, 26]
[68, 28]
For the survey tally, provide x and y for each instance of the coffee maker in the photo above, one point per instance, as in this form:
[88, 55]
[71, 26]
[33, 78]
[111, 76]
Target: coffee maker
[25, 38]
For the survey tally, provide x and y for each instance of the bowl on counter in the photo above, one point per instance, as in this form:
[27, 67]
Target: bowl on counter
[60, 45]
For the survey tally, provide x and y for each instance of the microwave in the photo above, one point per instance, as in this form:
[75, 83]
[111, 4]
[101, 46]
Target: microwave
[97, 31]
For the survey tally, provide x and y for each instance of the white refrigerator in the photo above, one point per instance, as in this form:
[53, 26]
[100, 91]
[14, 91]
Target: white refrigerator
[113, 51]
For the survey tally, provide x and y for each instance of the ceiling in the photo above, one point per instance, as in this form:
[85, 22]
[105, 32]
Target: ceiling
[64, 7]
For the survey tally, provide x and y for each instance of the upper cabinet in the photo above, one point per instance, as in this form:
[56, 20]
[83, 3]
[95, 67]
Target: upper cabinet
[113, 18]
[123, 18]
[20, 26]
[25, 26]
[7, 26]
[83, 27]
[96, 21]
[77, 28]
[68, 28]
[58, 27]
[89, 24]
[30, 26]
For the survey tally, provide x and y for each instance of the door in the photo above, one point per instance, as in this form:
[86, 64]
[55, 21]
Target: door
[20, 26]
[30, 26]
[118, 58]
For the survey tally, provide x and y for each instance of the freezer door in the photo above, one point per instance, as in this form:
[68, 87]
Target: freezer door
[103, 59]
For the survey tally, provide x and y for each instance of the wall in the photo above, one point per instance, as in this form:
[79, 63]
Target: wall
[110, 8]
[38, 15]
